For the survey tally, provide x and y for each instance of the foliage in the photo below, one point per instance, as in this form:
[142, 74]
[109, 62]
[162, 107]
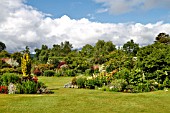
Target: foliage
[7, 78]
[4, 54]
[44, 67]
[2, 46]
[87, 50]
[70, 72]
[49, 73]
[124, 74]
[3, 64]
[59, 73]
[154, 60]
[98, 81]
[27, 87]
[163, 38]
[8, 70]
[54, 61]
[131, 48]
[118, 85]
[80, 81]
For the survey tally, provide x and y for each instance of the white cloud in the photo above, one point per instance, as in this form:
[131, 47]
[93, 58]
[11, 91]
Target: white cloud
[124, 6]
[23, 25]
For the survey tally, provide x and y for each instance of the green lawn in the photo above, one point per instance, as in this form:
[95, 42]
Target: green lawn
[84, 101]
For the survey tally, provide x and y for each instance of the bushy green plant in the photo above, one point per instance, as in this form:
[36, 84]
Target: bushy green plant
[118, 85]
[7, 78]
[88, 72]
[58, 74]
[80, 81]
[105, 88]
[166, 82]
[90, 83]
[124, 74]
[70, 72]
[7, 70]
[49, 73]
[44, 67]
[27, 87]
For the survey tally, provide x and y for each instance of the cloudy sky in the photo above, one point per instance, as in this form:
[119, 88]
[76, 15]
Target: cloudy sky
[36, 22]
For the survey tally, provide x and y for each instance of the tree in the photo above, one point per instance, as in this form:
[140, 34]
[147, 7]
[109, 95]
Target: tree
[44, 47]
[2, 46]
[163, 38]
[37, 53]
[131, 48]
[103, 47]
[87, 50]
[65, 48]
[154, 60]
[109, 47]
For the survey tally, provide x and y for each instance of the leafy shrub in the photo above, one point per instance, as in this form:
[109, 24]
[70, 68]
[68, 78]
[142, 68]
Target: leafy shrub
[19, 70]
[90, 83]
[110, 67]
[59, 73]
[80, 81]
[49, 73]
[118, 85]
[70, 72]
[124, 74]
[44, 67]
[105, 88]
[54, 61]
[3, 64]
[7, 70]
[7, 78]
[88, 72]
[166, 82]
[27, 87]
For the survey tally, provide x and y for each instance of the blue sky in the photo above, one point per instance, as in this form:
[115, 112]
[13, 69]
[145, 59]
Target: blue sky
[35, 22]
[77, 9]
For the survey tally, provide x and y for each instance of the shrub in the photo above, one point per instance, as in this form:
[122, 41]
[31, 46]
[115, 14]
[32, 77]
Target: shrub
[7, 78]
[90, 83]
[59, 73]
[118, 85]
[88, 72]
[166, 82]
[7, 70]
[49, 73]
[70, 72]
[44, 67]
[105, 88]
[80, 81]
[19, 70]
[27, 87]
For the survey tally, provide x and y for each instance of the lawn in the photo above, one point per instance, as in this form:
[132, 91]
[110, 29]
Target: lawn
[84, 101]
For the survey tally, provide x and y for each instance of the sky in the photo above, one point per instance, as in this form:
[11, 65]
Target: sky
[35, 22]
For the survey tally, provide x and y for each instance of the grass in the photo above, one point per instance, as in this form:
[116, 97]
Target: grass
[84, 101]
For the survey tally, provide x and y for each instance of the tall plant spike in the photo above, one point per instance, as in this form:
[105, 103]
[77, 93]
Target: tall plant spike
[26, 64]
